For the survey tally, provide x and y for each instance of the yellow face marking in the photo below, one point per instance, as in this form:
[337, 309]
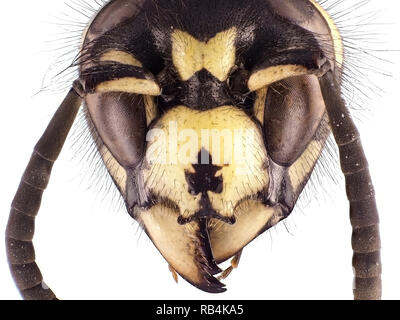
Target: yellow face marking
[251, 217]
[217, 55]
[151, 109]
[116, 170]
[299, 171]
[241, 177]
[220, 54]
[259, 105]
[121, 57]
[336, 37]
[177, 243]
[130, 85]
[273, 74]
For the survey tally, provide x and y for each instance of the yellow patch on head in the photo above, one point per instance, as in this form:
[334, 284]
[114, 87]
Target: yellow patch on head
[251, 217]
[273, 74]
[303, 166]
[151, 109]
[217, 55]
[117, 172]
[130, 85]
[259, 105]
[240, 154]
[121, 57]
[177, 243]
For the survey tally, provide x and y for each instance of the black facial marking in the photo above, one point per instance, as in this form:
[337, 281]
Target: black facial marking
[203, 91]
[204, 179]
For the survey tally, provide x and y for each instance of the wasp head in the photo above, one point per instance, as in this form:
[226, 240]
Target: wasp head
[209, 117]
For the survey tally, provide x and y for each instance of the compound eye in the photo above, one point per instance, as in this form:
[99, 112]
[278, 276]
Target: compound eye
[116, 81]
[294, 109]
[116, 86]
[120, 121]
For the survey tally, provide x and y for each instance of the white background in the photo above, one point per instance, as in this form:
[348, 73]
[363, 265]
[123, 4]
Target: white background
[88, 249]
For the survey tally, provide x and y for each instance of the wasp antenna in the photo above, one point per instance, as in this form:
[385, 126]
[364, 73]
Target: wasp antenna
[360, 193]
[26, 203]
